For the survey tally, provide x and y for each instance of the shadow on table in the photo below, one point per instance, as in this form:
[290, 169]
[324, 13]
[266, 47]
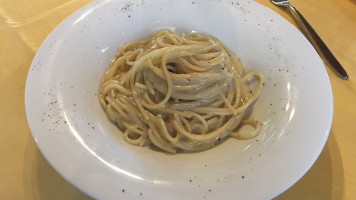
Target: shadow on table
[324, 180]
[42, 182]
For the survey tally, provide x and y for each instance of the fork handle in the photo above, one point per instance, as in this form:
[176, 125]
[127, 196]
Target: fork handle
[319, 45]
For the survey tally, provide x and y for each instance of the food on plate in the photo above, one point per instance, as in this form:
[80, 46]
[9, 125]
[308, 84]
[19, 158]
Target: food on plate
[179, 92]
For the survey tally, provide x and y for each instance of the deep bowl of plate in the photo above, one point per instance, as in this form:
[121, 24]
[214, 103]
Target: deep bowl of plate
[76, 137]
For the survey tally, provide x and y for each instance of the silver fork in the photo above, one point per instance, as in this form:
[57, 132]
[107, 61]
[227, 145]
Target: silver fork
[316, 41]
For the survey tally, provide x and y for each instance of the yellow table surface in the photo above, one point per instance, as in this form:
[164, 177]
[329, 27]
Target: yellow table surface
[25, 173]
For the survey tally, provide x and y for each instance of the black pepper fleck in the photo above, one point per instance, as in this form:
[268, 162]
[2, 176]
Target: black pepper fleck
[123, 190]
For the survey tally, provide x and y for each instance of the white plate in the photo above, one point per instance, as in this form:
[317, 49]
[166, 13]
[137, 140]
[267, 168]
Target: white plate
[74, 134]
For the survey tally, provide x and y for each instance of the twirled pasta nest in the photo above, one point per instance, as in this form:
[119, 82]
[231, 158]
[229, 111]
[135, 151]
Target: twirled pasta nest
[178, 91]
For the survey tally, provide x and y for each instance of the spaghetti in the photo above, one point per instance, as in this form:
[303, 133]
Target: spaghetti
[178, 91]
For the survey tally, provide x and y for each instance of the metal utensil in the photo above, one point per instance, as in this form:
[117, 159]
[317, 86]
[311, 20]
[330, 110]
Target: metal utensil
[316, 41]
